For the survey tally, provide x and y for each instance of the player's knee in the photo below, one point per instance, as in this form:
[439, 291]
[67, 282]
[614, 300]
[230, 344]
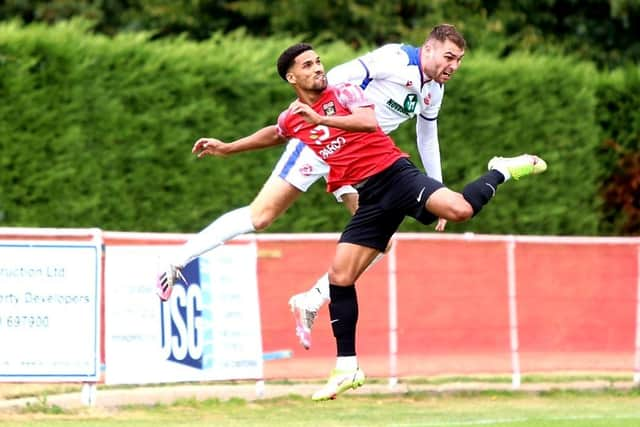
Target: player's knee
[340, 276]
[262, 219]
[460, 211]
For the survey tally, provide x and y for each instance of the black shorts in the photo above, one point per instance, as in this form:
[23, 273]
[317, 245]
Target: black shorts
[385, 199]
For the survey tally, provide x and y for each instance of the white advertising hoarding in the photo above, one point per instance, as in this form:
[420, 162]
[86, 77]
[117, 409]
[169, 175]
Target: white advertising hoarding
[208, 330]
[49, 311]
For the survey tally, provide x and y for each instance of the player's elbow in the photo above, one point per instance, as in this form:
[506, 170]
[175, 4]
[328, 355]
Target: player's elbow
[370, 127]
[368, 124]
[366, 120]
[262, 217]
[262, 221]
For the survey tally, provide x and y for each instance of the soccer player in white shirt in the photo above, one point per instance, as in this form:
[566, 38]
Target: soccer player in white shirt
[404, 82]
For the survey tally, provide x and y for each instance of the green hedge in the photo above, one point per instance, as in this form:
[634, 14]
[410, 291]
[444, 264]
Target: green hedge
[618, 114]
[97, 132]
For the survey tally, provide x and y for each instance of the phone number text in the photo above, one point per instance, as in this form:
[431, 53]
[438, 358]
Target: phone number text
[24, 321]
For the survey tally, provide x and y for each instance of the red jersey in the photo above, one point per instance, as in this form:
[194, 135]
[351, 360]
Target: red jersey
[351, 156]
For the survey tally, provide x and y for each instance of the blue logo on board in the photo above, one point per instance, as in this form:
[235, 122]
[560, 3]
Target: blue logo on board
[184, 320]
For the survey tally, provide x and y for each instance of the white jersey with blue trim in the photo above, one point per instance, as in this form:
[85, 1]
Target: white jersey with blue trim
[391, 77]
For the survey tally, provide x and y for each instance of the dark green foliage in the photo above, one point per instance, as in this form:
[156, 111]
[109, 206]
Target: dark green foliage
[97, 132]
[602, 31]
[619, 116]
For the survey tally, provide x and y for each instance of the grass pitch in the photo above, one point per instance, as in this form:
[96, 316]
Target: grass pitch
[610, 408]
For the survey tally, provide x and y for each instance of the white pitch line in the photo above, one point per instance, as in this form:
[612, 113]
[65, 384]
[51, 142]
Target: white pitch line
[490, 421]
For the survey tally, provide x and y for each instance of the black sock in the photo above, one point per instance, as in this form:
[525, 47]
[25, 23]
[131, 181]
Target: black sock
[479, 192]
[343, 311]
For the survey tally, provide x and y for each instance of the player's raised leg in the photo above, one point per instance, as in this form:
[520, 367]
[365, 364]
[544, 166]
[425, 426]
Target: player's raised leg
[273, 200]
[297, 169]
[458, 207]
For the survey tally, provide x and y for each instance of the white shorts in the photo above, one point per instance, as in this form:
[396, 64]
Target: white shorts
[300, 166]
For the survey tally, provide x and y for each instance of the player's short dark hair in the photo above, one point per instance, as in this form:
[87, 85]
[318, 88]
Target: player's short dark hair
[444, 32]
[288, 57]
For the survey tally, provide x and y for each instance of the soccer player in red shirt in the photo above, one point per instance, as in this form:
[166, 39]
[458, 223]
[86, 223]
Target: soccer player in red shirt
[339, 124]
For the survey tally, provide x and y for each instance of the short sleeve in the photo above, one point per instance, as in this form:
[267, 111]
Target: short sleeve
[282, 124]
[352, 96]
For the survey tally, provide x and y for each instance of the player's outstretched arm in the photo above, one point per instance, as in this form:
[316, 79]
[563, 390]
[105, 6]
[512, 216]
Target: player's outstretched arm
[263, 138]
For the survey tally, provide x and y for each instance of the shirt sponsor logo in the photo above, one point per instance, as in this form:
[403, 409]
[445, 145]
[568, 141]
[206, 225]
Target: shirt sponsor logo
[319, 133]
[410, 102]
[332, 147]
[395, 106]
[408, 107]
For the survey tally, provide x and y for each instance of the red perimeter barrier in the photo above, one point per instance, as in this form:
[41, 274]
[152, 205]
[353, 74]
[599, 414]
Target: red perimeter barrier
[568, 304]
[449, 304]
[452, 304]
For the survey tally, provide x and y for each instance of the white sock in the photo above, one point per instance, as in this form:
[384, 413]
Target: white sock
[224, 228]
[318, 295]
[347, 363]
[319, 292]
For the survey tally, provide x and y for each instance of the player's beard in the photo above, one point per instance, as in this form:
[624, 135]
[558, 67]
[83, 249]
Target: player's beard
[319, 85]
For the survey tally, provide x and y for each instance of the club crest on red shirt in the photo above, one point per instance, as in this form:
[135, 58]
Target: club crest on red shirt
[329, 108]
